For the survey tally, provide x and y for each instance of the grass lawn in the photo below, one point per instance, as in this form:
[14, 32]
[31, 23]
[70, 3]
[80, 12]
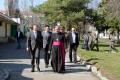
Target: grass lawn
[108, 63]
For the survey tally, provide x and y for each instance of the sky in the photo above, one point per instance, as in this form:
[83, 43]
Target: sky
[1, 4]
[36, 2]
[94, 3]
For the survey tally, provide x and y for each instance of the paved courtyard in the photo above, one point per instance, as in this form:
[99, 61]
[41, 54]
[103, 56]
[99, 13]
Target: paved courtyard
[17, 62]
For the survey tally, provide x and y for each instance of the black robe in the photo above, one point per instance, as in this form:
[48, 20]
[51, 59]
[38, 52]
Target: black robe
[57, 52]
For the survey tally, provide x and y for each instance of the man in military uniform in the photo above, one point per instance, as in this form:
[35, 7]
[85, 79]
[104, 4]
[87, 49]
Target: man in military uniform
[95, 41]
[112, 43]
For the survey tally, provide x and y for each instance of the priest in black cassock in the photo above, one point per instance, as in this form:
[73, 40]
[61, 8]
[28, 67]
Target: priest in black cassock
[57, 51]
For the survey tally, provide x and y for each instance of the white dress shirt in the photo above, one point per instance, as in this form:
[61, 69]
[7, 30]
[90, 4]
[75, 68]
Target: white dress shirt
[73, 37]
[35, 34]
[18, 33]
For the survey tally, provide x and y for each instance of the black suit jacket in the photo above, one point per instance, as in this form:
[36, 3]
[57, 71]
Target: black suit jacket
[19, 37]
[71, 39]
[32, 42]
[46, 39]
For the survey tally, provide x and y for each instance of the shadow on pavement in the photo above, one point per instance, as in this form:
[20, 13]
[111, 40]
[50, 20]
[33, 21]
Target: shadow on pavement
[91, 59]
[14, 66]
[75, 65]
[10, 51]
[18, 76]
[76, 70]
[15, 70]
[12, 60]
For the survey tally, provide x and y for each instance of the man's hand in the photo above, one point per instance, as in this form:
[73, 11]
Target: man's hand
[27, 49]
[49, 52]
[66, 50]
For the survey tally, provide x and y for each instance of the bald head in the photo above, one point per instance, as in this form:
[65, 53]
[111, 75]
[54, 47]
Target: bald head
[73, 29]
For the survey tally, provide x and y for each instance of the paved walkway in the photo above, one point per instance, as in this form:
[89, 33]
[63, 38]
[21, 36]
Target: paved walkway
[17, 62]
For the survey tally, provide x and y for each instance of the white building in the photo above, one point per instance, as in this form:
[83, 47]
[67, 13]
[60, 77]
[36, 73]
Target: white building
[7, 28]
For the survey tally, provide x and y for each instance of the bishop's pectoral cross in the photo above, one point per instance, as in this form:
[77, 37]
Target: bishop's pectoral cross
[57, 39]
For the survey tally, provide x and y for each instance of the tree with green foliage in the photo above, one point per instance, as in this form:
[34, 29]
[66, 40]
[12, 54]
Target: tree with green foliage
[68, 12]
[94, 17]
[111, 12]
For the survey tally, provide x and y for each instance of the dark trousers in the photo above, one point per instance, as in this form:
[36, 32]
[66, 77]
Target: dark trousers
[86, 45]
[95, 45]
[89, 46]
[112, 47]
[35, 56]
[18, 43]
[46, 55]
[73, 49]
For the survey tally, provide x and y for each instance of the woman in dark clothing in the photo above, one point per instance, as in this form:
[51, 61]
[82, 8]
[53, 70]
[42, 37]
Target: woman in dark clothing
[57, 51]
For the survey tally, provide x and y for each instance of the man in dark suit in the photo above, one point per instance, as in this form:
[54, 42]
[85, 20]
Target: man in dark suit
[46, 41]
[74, 42]
[19, 36]
[34, 45]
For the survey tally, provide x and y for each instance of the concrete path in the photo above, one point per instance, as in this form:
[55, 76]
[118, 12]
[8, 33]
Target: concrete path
[17, 62]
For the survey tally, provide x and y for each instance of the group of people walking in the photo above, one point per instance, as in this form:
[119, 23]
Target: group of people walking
[55, 45]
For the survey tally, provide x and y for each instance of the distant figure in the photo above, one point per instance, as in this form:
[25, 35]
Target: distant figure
[46, 42]
[85, 41]
[19, 36]
[90, 40]
[34, 45]
[74, 42]
[57, 49]
[95, 41]
[112, 44]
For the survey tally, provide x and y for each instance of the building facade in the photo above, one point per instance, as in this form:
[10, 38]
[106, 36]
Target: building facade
[7, 28]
